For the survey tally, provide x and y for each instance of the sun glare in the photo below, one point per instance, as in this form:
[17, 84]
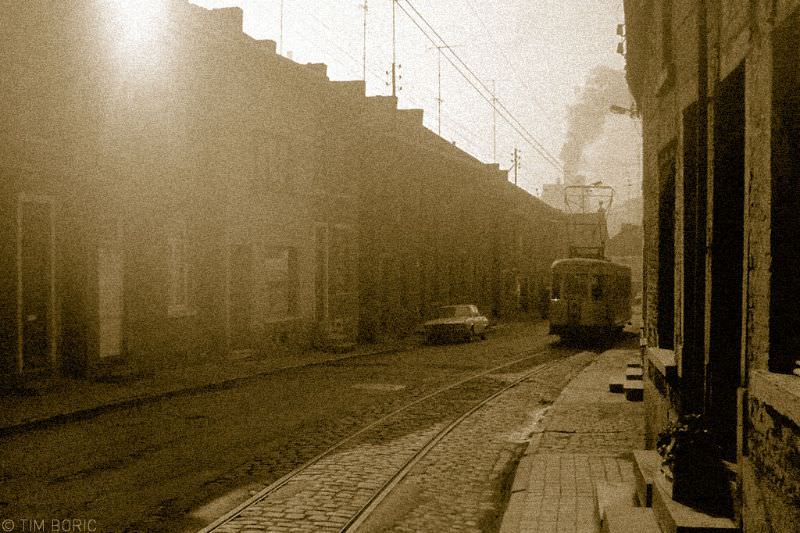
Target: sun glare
[137, 25]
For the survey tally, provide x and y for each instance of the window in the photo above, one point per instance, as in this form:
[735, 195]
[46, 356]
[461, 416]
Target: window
[784, 342]
[597, 287]
[278, 296]
[666, 248]
[343, 279]
[179, 267]
[272, 161]
[575, 286]
[556, 287]
[666, 32]
[342, 260]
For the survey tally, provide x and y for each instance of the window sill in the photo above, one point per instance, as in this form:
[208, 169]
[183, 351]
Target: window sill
[779, 391]
[276, 321]
[663, 361]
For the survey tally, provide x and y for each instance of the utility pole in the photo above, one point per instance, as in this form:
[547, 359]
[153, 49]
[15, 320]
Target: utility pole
[280, 39]
[494, 122]
[394, 50]
[439, 100]
[365, 8]
[517, 155]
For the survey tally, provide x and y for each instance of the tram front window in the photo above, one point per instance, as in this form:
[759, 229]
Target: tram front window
[597, 288]
[556, 287]
[575, 286]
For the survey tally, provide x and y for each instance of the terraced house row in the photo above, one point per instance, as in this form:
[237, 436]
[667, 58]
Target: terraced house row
[717, 82]
[171, 190]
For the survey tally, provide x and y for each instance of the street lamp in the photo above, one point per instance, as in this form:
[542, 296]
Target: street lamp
[619, 110]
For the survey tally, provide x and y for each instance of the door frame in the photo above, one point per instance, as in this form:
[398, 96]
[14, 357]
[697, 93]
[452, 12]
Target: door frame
[23, 198]
[117, 240]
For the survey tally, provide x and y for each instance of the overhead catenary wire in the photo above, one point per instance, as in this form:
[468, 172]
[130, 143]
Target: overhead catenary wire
[480, 87]
[510, 63]
[469, 137]
[530, 138]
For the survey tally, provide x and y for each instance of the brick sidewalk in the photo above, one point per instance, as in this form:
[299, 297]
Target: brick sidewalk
[585, 437]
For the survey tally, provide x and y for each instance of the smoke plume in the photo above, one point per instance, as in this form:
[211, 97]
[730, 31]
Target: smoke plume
[604, 87]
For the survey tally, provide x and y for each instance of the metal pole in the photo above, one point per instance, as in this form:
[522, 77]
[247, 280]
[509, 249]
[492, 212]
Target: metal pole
[494, 123]
[394, 51]
[516, 164]
[280, 46]
[364, 59]
[439, 100]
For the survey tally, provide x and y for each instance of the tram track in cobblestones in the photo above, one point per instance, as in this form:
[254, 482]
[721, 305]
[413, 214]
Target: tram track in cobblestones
[468, 394]
[366, 511]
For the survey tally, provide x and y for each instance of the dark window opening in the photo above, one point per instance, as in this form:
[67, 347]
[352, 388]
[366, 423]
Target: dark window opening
[784, 343]
[694, 254]
[556, 286]
[666, 248]
[598, 290]
[666, 31]
[727, 256]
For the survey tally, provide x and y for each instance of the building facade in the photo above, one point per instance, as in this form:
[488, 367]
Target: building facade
[174, 191]
[717, 82]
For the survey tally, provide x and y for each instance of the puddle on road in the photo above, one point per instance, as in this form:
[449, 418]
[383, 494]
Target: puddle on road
[222, 505]
[523, 433]
[380, 387]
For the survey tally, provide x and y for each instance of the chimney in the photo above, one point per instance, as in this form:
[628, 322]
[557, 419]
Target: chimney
[320, 69]
[412, 117]
[267, 46]
[229, 19]
[352, 87]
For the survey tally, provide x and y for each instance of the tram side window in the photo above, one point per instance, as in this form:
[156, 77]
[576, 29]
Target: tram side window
[556, 288]
[598, 287]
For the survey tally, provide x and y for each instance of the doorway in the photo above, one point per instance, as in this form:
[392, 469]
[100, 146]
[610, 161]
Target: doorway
[241, 300]
[35, 284]
[110, 267]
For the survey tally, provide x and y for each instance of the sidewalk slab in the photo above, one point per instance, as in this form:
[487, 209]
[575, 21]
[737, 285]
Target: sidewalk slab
[586, 437]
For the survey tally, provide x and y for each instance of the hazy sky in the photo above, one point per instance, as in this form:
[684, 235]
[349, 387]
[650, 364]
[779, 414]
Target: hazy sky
[539, 51]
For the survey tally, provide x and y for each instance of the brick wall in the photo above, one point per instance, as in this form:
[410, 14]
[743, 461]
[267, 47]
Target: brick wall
[738, 33]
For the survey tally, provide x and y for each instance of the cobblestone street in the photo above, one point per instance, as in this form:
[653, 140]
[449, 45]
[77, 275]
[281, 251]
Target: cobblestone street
[180, 462]
[458, 486]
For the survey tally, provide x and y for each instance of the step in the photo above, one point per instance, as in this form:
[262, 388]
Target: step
[630, 520]
[612, 494]
[634, 391]
[674, 517]
[646, 464]
[634, 374]
[634, 363]
[616, 385]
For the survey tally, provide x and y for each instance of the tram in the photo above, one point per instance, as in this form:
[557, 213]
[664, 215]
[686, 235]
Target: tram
[589, 298]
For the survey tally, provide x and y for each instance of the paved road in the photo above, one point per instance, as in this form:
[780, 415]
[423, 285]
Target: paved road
[179, 463]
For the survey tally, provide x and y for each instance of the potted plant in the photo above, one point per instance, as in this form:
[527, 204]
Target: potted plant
[691, 459]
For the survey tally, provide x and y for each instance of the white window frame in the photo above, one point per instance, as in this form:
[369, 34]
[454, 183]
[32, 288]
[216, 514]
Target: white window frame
[179, 270]
[23, 198]
[292, 282]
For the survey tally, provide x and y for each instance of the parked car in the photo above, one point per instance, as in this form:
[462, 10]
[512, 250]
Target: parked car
[456, 322]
